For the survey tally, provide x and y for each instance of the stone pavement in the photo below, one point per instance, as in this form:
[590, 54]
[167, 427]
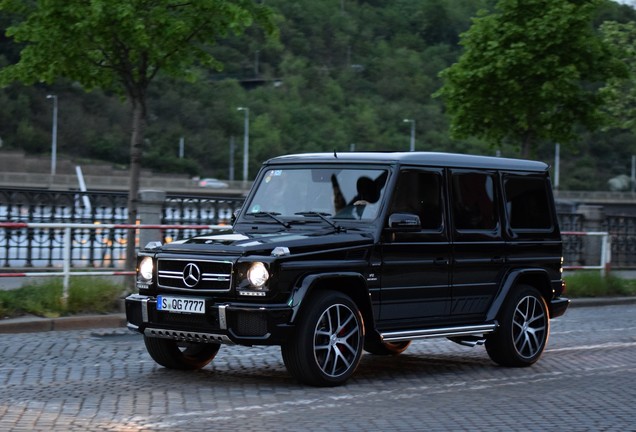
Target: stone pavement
[103, 380]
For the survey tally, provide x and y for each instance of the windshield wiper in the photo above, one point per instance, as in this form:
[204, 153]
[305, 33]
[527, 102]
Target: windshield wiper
[322, 216]
[271, 215]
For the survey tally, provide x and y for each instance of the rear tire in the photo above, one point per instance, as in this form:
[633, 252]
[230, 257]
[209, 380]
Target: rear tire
[327, 345]
[524, 329]
[180, 355]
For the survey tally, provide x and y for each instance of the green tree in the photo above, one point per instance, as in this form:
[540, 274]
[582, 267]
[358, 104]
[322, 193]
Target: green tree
[620, 92]
[529, 72]
[120, 46]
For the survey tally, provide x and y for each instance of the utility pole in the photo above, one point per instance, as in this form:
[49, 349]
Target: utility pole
[246, 140]
[53, 135]
[412, 144]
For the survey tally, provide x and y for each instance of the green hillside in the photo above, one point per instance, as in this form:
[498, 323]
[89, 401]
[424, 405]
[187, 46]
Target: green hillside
[343, 74]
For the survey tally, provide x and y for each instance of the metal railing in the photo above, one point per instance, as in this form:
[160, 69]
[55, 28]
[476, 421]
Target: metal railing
[103, 246]
[67, 246]
[622, 230]
[605, 254]
[99, 246]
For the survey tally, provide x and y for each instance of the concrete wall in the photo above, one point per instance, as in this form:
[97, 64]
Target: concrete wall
[20, 170]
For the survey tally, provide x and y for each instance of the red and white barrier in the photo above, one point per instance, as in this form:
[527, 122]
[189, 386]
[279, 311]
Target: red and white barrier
[606, 250]
[17, 225]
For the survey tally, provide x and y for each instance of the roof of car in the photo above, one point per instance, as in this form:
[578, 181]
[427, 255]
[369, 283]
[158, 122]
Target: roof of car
[416, 158]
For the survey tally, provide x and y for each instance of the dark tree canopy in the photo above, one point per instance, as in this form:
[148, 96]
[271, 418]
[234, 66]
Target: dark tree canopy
[120, 46]
[529, 72]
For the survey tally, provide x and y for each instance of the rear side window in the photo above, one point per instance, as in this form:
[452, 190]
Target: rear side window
[474, 201]
[527, 203]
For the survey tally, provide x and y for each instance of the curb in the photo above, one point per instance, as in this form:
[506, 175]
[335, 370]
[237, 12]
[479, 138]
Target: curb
[81, 322]
[84, 322]
[602, 301]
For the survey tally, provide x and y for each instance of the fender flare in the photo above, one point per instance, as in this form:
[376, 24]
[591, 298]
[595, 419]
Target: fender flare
[305, 286]
[506, 286]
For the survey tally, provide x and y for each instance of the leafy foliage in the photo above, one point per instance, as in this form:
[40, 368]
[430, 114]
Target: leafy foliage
[120, 46]
[528, 73]
[342, 73]
[620, 92]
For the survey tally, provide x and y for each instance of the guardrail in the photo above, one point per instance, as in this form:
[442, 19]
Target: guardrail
[68, 228]
[66, 272]
[606, 250]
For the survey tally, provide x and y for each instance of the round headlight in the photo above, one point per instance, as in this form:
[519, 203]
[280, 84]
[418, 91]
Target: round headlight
[257, 275]
[145, 268]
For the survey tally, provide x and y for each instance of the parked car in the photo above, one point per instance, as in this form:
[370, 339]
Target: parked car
[335, 254]
[213, 183]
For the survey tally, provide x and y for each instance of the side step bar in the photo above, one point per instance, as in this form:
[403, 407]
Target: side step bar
[407, 335]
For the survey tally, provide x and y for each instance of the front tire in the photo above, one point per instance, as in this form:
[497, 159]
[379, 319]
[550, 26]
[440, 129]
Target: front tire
[377, 347]
[180, 355]
[524, 329]
[327, 345]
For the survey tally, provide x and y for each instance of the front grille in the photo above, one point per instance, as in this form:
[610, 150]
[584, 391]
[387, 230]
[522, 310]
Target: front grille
[194, 274]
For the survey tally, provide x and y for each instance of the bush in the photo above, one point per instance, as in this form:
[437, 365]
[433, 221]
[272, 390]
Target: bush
[85, 295]
[593, 284]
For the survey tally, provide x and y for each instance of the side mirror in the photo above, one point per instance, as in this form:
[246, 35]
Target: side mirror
[405, 221]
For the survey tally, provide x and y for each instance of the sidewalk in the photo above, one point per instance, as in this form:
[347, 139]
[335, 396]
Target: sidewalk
[32, 324]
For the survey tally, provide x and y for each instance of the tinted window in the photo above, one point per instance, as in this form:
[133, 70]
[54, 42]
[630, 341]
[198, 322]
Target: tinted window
[527, 203]
[473, 201]
[420, 193]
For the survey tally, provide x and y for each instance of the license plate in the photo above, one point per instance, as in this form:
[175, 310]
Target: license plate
[180, 304]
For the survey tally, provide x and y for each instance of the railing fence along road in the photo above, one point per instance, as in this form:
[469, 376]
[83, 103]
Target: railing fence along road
[67, 246]
[67, 233]
[605, 255]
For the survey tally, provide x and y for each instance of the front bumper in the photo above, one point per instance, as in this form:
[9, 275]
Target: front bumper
[230, 323]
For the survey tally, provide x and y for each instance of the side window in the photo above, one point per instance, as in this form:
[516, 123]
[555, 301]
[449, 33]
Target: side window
[527, 203]
[419, 192]
[473, 201]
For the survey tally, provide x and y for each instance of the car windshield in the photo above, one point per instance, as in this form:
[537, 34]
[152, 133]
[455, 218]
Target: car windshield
[340, 193]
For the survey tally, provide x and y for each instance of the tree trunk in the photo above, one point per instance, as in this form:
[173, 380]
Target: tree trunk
[526, 145]
[136, 150]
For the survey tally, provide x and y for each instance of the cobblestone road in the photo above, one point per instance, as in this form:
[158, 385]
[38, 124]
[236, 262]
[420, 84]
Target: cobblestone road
[104, 380]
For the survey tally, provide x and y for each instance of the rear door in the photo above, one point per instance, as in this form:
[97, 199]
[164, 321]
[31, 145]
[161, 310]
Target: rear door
[532, 228]
[478, 246]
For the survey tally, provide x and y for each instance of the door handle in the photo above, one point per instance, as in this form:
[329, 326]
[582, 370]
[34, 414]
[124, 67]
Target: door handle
[498, 260]
[440, 261]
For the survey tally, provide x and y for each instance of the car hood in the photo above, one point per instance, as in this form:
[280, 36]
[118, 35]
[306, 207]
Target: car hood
[230, 242]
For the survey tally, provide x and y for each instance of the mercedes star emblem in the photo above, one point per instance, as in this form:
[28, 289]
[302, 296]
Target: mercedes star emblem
[191, 275]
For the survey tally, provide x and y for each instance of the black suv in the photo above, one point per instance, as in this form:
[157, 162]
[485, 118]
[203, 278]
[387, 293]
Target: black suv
[335, 254]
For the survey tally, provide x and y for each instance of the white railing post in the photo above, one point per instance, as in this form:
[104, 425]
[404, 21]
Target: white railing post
[67, 264]
[606, 254]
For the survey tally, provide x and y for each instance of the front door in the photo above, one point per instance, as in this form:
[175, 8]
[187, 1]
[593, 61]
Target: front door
[416, 260]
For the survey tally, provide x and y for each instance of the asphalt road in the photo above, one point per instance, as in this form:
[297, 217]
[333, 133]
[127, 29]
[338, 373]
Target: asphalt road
[103, 380]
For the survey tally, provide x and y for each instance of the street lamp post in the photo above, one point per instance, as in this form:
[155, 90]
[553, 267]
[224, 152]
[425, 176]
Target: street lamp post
[412, 147]
[246, 140]
[53, 135]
